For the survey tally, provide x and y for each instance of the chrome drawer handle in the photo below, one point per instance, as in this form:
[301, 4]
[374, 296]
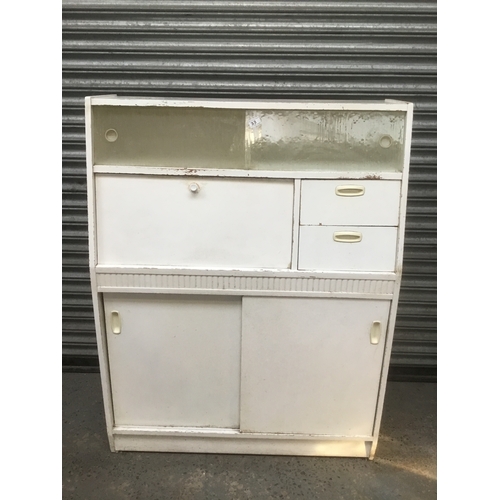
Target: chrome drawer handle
[350, 190]
[347, 237]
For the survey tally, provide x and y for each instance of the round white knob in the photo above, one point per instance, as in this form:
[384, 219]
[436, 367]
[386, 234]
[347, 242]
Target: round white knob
[111, 135]
[194, 187]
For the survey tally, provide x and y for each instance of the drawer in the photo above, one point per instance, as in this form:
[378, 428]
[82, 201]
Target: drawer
[353, 203]
[335, 248]
[194, 222]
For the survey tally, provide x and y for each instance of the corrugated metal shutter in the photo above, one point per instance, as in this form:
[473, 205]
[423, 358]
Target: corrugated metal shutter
[317, 49]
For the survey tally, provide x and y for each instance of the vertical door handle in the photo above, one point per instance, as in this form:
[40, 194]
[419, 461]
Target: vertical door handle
[375, 332]
[116, 324]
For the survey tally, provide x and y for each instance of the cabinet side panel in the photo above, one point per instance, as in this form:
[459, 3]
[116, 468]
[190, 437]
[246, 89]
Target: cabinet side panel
[96, 300]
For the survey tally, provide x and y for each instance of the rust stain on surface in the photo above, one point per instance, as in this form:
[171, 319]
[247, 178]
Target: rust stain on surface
[372, 177]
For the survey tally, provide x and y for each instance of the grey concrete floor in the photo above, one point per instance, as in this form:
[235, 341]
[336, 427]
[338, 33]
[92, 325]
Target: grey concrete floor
[404, 466]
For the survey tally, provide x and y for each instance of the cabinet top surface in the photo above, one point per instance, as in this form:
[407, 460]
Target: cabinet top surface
[382, 105]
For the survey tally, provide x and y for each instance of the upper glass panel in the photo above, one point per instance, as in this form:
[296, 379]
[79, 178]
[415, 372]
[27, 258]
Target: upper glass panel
[169, 137]
[325, 140]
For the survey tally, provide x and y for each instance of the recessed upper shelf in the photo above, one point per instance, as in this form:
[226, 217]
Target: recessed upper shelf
[252, 139]
[170, 137]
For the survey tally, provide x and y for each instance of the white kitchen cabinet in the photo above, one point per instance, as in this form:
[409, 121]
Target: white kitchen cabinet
[245, 264]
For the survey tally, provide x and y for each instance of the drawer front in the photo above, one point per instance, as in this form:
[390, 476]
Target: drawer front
[336, 248]
[194, 222]
[355, 203]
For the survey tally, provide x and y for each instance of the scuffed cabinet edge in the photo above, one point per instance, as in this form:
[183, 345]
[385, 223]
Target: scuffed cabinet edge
[96, 301]
[104, 370]
[389, 335]
[377, 105]
[255, 174]
[97, 297]
[251, 444]
[90, 180]
[297, 195]
[397, 285]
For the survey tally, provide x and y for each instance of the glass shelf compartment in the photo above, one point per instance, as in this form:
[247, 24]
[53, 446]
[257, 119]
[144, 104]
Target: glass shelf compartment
[325, 140]
[237, 139]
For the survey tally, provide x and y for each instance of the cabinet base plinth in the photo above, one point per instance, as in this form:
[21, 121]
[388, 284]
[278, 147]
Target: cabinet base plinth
[243, 444]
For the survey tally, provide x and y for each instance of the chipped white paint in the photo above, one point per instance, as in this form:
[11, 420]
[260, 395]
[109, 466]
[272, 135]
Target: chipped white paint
[257, 174]
[242, 328]
[387, 105]
[240, 285]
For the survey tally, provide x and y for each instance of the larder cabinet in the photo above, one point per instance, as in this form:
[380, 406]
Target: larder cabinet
[245, 263]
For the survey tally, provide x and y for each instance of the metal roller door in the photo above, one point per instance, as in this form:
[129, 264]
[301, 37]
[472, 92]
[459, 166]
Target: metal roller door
[255, 49]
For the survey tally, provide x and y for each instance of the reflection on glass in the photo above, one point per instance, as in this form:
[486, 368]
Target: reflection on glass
[169, 137]
[196, 138]
[324, 140]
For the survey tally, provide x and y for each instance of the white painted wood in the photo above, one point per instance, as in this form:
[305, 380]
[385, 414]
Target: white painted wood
[399, 273]
[375, 252]
[378, 206]
[176, 361]
[308, 365]
[258, 174]
[239, 293]
[289, 340]
[229, 223]
[253, 104]
[243, 285]
[151, 430]
[237, 445]
[96, 299]
[296, 220]
[256, 273]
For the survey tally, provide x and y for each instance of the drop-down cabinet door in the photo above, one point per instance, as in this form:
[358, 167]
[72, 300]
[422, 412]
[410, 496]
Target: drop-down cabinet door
[311, 366]
[194, 222]
[174, 360]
